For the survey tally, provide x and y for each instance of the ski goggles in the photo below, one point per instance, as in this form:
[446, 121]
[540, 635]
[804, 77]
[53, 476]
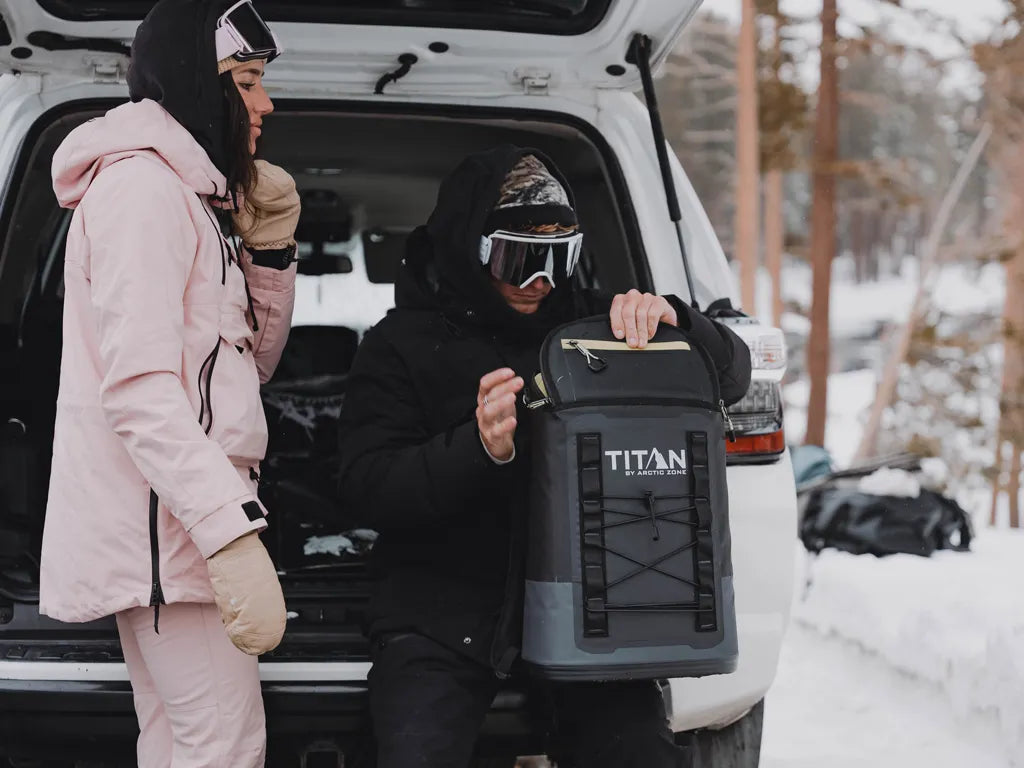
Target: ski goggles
[519, 259]
[242, 33]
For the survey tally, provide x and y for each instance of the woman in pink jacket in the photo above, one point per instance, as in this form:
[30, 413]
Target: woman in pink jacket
[169, 329]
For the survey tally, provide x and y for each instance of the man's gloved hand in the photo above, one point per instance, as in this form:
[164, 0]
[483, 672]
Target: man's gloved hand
[269, 215]
[248, 594]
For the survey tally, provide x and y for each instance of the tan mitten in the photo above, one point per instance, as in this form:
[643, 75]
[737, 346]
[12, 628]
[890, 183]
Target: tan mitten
[248, 595]
[269, 215]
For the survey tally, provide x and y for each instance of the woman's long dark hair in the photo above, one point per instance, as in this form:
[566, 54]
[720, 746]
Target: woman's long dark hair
[241, 168]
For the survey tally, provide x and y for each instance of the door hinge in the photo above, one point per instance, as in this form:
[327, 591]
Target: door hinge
[534, 82]
[107, 72]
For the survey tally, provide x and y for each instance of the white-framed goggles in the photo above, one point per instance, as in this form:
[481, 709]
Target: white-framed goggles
[242, 33]
[518, 258]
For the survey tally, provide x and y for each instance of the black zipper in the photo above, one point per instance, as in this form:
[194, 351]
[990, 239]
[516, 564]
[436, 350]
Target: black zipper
[730, 429]
[220, 240]
[555, 335]
[205, 393]
[156, 595]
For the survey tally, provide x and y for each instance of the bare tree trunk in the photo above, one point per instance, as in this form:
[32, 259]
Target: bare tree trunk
[1010, 432]
[823, 225]
[747, 157]
[1011, 399]
[892, 237]
[997, 487]
[858, 244]
[1013, 488]
[774, 238]
[925, 284]
[874, 244]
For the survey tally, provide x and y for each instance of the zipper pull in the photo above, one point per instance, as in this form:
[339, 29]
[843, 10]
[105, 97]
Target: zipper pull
[535, 394]
[594, 363]
[533, 405]
[730, 429]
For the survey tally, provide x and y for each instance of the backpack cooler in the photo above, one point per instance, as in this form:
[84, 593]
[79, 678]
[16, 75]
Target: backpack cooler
[628, 571]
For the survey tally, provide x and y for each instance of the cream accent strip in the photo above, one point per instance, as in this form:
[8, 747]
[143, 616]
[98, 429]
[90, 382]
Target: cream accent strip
[595, 345]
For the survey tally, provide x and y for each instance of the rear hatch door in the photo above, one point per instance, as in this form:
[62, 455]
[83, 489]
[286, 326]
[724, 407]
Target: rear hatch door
[346, 46]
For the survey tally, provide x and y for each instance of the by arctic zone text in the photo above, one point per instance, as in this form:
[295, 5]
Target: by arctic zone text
[650, 462]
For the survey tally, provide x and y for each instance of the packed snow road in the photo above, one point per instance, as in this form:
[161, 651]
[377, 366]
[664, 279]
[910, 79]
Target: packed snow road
[835, 705]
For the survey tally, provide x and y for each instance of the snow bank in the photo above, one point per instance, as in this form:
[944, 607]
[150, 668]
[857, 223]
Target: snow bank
[956, 620]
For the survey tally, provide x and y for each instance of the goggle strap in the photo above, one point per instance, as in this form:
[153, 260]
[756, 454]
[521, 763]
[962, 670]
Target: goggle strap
[229, 41]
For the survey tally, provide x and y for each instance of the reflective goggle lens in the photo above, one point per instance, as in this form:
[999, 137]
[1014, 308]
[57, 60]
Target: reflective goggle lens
[521, 259]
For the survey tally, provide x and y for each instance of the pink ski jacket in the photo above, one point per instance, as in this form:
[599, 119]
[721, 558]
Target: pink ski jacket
[160, 428]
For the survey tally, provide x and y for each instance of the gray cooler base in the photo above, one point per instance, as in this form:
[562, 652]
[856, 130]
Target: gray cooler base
[553, 636]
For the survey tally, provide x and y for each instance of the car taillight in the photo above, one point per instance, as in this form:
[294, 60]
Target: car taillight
[757, 418]
[765, 447]
[757, 423]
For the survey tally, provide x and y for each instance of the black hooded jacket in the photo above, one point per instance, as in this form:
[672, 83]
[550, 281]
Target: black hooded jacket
[174, 63]
[412, 465]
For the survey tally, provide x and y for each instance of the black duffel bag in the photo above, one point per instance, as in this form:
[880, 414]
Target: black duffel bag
[628, 568]
[862, 523]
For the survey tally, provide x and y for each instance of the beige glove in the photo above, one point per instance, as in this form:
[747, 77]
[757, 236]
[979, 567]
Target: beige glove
[248, 595]
[269, 215]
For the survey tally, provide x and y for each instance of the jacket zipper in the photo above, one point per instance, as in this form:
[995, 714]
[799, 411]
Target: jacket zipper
[205, 391]
[156, 596]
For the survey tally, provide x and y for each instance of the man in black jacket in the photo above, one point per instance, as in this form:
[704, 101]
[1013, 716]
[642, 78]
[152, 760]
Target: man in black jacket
[432, 459]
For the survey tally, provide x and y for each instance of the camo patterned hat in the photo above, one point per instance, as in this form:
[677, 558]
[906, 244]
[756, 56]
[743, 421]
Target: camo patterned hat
[531, 196]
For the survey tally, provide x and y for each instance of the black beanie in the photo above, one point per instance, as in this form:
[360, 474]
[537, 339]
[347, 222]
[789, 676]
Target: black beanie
[174, 63]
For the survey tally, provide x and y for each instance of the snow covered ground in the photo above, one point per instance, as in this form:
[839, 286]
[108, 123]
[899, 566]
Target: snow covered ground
[903, 661]
[835, 705]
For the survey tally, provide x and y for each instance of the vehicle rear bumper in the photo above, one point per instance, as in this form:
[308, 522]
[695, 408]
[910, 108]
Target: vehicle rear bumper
[80, 718]
[54, 718]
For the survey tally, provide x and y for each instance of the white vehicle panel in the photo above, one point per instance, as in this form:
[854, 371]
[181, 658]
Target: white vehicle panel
[762, 498]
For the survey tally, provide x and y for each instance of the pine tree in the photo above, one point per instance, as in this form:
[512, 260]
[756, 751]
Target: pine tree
[1002, 62]
[782, 118]
[747, 160]
[823, 224]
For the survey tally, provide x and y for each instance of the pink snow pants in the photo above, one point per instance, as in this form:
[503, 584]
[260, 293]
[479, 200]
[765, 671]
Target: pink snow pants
[197, 697]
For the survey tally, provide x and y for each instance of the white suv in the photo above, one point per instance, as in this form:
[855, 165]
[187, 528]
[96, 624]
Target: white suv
[376, 100]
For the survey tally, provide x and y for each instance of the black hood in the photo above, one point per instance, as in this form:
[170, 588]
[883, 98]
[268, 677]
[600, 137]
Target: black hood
[442, 267]
[174, 63]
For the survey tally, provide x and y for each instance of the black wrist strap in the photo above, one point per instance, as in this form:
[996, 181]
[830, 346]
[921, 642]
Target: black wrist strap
[275, 258]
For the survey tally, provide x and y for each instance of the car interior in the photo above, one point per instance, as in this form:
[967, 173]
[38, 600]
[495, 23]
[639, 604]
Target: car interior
[367, 178]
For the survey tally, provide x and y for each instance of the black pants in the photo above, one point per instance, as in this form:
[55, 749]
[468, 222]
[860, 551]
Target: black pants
[428, 703]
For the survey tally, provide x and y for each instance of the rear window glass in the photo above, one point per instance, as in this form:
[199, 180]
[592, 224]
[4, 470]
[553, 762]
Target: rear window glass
[556, 17]
[365, 185]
